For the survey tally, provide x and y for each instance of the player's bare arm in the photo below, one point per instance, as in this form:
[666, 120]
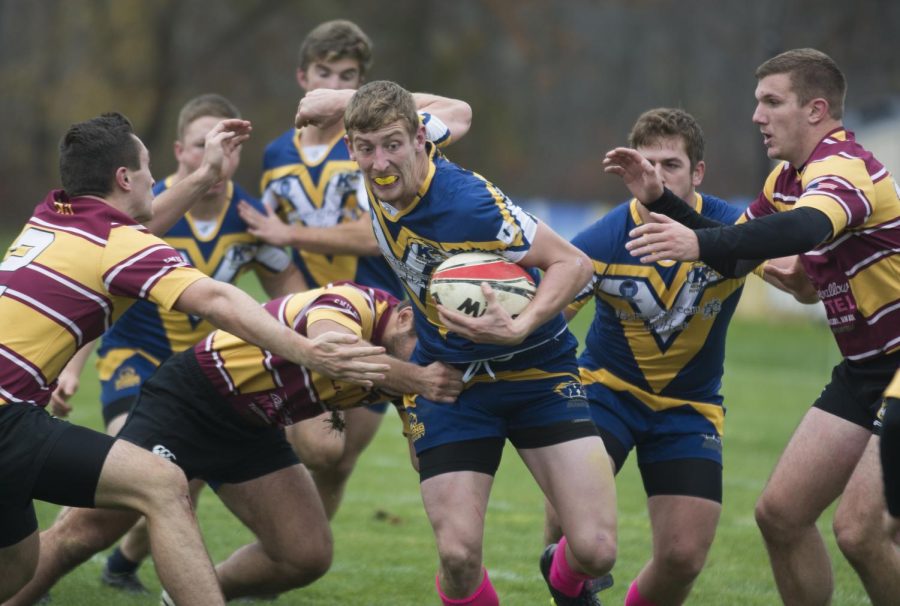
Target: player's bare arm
[219, 151]
[787, 274]
[437, 381]
[323, 107]
[455, 114]
[68, 381]
[566, 271]
[348, 238]
[335, 355]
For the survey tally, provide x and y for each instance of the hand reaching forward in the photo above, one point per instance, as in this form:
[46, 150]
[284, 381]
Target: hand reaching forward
[787, 274]
[220, 153]
[636, 171]
[322, 107]
[495, 326]
[664, 240]
[334, 355]
[268, 227]
[67, 385]
[439, 382]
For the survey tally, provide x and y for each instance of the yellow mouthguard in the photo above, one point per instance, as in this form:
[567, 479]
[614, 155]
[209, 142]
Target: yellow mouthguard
[385, 180]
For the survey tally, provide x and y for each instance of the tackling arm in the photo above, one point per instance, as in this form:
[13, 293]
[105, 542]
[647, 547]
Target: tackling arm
[229, 308]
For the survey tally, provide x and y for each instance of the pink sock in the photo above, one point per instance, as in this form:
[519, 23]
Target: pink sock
[485, 595]
[634, 597]
[562, 577]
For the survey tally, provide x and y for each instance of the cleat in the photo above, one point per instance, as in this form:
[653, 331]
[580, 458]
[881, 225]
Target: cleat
[598, 584]
[123, 581]
[587, 597]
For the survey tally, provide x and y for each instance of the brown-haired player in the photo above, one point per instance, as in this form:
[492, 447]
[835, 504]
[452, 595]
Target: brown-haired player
[833, 201]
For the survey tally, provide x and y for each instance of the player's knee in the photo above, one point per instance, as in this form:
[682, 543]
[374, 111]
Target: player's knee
[682, 561]
[322, 459]
[301, 565]
[596, 555]
[856, 538]
[165, 487]
[775, 518]
[459, 559]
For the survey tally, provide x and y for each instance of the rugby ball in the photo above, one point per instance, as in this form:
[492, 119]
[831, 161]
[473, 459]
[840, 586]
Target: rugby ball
[456, 283]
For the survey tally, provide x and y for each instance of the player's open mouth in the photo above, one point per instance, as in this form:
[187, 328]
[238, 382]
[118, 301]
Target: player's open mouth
[389, 180]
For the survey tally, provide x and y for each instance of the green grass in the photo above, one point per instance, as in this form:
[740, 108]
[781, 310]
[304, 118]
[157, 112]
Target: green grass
[773, 373]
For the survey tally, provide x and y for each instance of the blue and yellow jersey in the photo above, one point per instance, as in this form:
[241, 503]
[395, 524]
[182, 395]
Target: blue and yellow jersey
[659, 329]
[221, 249]
[455, 211]
[857, 271]
[321, 193]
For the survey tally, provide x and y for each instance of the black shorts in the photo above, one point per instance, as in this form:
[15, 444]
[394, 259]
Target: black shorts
[857, 388]
[44, 458]
[180, 416]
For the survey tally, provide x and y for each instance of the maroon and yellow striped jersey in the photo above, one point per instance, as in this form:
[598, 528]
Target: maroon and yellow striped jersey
[857, 271]
[266, 389]
[75, 267]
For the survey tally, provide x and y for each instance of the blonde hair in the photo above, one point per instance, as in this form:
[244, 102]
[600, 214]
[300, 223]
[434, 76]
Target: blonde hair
[377, 104]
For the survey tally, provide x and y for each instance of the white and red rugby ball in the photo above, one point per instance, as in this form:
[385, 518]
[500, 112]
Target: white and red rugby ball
[456, 283]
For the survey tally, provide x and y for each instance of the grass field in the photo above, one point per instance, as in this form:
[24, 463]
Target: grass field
[384, 551]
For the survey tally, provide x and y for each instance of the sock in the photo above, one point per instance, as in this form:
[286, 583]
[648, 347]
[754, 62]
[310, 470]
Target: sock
[485, 595]
[117, 563]
[562, 577]
[634, 597]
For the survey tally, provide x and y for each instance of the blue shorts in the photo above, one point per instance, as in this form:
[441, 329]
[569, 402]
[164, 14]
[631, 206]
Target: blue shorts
[122, 372]
[659, 435]
[534, 389]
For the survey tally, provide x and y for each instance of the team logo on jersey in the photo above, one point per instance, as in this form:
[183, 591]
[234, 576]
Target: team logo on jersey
[712, 441]
[161, 451]
[126, 378]
[628, 289]
[416, 429]
[573, 391]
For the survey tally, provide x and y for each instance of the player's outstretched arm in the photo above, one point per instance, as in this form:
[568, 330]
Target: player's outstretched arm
[323, 107]
[336, 355]
[438, 382]
[348, 238]
[219, 153]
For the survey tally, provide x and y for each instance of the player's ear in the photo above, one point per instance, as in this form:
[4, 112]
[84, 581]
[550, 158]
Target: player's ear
[302, 81]
[698, 173]
[122, 178]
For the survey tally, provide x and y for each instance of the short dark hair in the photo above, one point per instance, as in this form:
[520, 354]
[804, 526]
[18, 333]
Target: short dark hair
[813, 74]
[665, 122]
[209, 104]
[377, 104]
[92, 151]
[334, 40]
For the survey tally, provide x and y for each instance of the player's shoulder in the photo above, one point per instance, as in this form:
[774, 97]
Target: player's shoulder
[716, 208]
[281, 149]
[606, 233]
